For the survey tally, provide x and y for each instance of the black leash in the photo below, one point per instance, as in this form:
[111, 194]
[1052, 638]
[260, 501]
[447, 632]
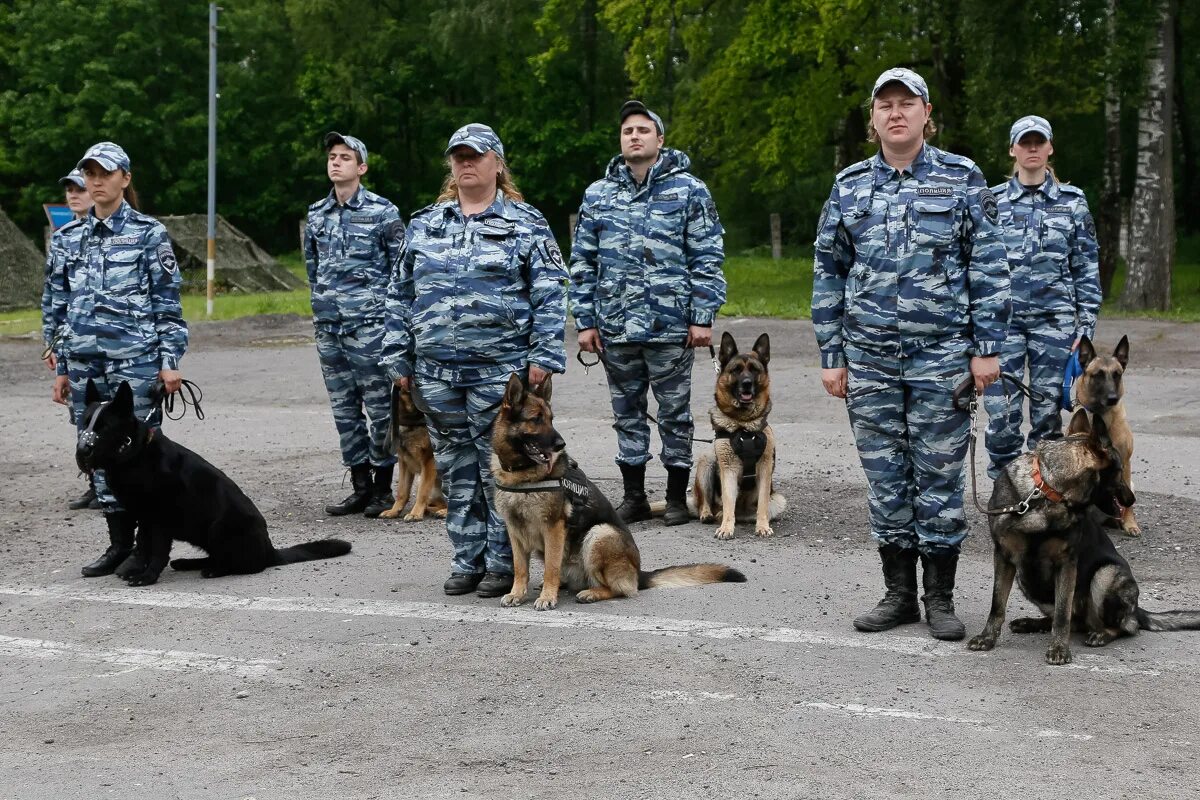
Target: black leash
[160, 400]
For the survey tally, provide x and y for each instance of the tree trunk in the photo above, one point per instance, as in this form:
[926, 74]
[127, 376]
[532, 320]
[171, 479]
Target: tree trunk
[1187, 195]
[1152, 223]
[1108, 214]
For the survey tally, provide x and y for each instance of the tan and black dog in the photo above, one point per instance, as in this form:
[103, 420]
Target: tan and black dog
[736, 478]
[552, 510]
[1063, 561]
[408, 438]
[1101, 389]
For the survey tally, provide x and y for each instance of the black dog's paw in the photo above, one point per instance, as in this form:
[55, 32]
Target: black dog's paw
[981, 642]
[212, 573]
[1058, 654]
[142, 579]
[1098, 638]
[1030, 625]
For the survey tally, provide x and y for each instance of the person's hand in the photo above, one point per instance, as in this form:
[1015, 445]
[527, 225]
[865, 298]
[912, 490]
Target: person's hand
[404, 383]
[171, 379]
[51, 361]
[537, 375]
[835, 381]
[61, 392]
[985, 370]
[1075, 346]
[589, 341]
[698, 336]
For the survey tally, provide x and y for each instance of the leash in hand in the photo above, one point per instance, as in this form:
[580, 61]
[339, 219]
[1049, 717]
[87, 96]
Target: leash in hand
[160, 400]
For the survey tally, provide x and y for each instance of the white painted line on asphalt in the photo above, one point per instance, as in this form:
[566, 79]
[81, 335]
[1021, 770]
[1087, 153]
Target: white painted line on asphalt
[525, 616]
[137, 658]
[859, 710]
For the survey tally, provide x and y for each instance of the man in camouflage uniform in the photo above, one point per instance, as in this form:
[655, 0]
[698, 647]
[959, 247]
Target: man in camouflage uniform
[351, 239]
[64, 244]
[1055, 265]
[910, 297]
[646, 283]
[478, 296]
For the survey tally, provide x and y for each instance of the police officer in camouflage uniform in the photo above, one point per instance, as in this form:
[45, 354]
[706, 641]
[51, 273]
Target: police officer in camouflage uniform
[64, 244]
[118, 298]
[350, 241]
[478, 295]
[910, 297]
[646, 283]
[1055, 266]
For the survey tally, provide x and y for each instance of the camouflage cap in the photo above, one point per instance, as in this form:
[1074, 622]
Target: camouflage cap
[75, 176]
[333, 137]
[906, 77]
[632, 107]
[478, 137]
[108, 155]
[1029, 124]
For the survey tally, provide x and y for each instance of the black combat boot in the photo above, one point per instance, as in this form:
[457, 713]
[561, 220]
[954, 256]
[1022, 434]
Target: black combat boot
[494, 584]
[899, 603]
[937, 575]
[677, 510]
[462, 582]
[381, 492]
[360, 477]
[635, 507]
[121, 526]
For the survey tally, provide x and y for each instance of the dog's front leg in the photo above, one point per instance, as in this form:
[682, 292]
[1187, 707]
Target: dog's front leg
[1004, 571]
[520, 572]
[730, 470]
[403, 488]
[158, 554]
[554, 543]
[421, 504]
[1059, 651]
[766, 468]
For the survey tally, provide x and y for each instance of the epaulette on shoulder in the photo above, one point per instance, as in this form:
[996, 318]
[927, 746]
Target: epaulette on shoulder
[1067, 188]
[1000, 189]
[318, 204]
[527, 209]
[952, 159]
[72, 225]
[854, 169]
[426, 211]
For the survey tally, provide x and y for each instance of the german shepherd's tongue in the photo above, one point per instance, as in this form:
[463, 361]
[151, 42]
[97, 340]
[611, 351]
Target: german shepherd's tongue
[745, 398]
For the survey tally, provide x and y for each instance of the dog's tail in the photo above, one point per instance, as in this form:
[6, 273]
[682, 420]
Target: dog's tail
[311, 551]
[689, 575]
[1168, 620]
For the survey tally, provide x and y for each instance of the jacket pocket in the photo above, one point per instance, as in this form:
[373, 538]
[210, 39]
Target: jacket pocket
[935, 222]
[610, 306]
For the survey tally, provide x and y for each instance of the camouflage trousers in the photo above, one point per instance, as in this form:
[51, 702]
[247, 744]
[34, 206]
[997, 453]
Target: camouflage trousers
[665, 369]
[107, 374]
[912, 443]
[354, 380]
[460, 427]
[1045, 342]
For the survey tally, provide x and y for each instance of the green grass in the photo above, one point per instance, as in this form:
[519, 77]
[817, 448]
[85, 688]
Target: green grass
[762, 287]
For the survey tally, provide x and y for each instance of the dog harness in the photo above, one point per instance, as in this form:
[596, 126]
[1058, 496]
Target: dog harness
[749, 446]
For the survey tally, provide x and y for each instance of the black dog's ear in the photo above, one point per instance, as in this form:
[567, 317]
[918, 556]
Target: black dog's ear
[1121, 354]
[762, 348]
[1086, 351]
[123, 401]
[728, 348]
[514, 392]
[544, 389]
[91, 394]
[1079, 423]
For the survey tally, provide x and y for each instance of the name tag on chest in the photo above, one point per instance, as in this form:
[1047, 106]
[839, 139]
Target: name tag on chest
[123, 241]
[935, 191]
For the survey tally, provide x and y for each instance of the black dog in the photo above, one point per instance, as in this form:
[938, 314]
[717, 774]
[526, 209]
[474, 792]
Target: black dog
[175, 494]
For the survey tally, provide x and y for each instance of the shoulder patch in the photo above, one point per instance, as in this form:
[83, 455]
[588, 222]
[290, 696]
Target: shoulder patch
[1089, 225]
[551, 252]
[990, 209]
[166, 257]
[394, 229]
[824, 217]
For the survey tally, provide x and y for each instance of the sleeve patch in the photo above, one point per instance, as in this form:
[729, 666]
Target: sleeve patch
[166, 257]
[1089, 225]
[552, 253]
[990, 209]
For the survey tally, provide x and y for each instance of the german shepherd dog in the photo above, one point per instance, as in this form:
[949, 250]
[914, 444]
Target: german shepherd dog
[553, 511]
[175, 494]
[736, 478]
[1100, 390]
[1064, 562]
[408, 438]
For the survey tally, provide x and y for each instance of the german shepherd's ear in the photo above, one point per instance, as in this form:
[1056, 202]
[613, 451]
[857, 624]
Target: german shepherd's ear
[1087, 351]
[1099, 430]
[762, 348]
[514, 392]
[1079, 423]
[1121, 354]
[728, 348]
[91, 394]
[544, 389]
[123, 401]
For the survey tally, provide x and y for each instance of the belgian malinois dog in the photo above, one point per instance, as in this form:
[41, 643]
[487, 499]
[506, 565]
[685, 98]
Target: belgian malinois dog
[1100, 390]
[1064, 562]
[736, 478]
[553, 511]
[408, 438]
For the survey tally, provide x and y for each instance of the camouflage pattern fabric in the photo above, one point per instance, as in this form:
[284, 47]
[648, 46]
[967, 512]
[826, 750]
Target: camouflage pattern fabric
[460, 419]
[912, 443]
[667, 370]
[121, 292]
[647, 259]
[65, 246]
[478, 298]
[1045, 342]
[141, 373]
[910, 280]
[354, 380]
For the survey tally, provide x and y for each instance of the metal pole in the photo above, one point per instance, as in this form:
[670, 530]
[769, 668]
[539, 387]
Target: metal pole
[212, 153]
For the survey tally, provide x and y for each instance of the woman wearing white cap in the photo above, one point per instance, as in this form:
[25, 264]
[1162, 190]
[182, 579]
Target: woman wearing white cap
[477, 296]
[122, 320]
[1054, 265]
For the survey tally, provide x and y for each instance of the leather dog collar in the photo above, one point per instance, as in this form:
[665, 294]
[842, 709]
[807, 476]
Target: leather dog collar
[1050, 493]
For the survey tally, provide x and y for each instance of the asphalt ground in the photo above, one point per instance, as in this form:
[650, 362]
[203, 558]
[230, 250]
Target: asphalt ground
[356, 678]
